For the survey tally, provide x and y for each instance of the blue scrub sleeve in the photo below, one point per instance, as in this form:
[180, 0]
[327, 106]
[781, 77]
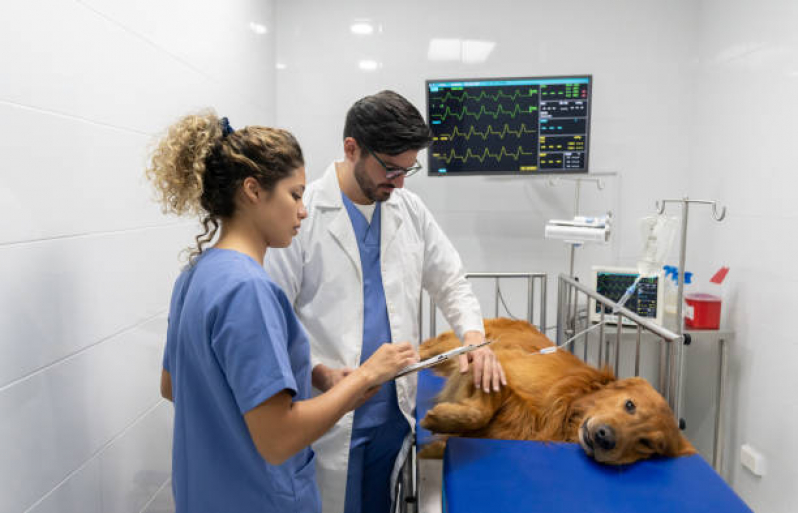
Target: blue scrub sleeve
[169, 336]
[175, 304]
[249, 337]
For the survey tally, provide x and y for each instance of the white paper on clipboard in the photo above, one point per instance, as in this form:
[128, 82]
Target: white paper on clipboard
[435, 360]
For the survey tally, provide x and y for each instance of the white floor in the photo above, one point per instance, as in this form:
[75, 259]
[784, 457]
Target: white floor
[430, 474]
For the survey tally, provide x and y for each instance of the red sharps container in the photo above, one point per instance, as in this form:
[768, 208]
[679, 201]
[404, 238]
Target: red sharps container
[705, 311]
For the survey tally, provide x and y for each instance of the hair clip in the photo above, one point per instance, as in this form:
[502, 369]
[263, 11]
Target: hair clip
[226, 128]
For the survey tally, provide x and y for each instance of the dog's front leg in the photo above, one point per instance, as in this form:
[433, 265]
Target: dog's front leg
[467, 415]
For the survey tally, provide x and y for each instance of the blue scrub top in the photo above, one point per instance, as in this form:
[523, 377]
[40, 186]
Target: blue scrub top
[383, 407]
[233, 342]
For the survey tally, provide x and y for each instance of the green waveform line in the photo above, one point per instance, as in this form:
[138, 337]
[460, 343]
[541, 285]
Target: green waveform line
[490, 131]
[485, 154]
[483, 94]
[482, 110]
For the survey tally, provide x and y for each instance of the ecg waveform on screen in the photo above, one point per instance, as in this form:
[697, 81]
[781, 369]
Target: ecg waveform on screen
[515, 155]
[490, 131]
[485, 111]
[515, 125]
[483, 95]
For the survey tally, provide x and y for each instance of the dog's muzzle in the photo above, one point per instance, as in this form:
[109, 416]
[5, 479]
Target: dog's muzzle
[601, 437]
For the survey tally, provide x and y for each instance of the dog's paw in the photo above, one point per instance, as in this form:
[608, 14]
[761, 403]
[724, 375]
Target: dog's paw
[436, 419]
[433, 450]
[428, 422]
[444, 418]
[452, 418]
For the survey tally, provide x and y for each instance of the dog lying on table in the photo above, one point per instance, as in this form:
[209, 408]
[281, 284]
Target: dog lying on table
[550, 397]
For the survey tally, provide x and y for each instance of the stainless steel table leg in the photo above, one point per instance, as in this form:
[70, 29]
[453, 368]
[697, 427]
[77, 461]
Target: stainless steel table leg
[717, 453]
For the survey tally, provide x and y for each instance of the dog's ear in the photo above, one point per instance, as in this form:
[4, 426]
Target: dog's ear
[626, 383]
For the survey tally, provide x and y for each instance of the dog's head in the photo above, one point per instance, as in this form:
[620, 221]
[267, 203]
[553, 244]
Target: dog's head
[627, 421]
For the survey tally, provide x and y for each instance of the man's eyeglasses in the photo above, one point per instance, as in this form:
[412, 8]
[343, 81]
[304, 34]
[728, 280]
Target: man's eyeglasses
[392, 172]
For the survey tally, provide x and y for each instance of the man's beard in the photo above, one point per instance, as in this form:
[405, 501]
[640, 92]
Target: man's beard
[369, 188]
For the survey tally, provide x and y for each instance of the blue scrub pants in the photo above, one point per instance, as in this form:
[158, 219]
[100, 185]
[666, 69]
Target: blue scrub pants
[372, 455]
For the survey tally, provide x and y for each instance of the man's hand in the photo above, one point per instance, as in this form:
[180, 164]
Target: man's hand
[324, 378]
[487, 369]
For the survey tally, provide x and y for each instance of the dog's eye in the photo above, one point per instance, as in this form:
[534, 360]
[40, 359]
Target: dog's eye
[630, 406]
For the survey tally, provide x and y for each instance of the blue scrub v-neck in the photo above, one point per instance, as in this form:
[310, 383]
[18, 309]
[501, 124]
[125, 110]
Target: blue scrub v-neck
[376, 327]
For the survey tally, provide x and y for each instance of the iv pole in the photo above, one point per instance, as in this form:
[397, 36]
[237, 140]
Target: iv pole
[676, 361]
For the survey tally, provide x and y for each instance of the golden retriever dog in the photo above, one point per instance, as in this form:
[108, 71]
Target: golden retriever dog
[550, 397]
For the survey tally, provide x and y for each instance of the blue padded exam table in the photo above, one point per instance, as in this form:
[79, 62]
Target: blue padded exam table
[509, 476]
[428, 386]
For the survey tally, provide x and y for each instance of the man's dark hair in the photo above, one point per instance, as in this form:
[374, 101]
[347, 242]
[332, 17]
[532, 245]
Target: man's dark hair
[387, 123]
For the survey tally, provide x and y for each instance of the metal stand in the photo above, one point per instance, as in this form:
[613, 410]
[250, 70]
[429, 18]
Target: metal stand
[677, 356]
[717, 450]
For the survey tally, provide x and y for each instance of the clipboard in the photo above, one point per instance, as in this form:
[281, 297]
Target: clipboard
[435, 360]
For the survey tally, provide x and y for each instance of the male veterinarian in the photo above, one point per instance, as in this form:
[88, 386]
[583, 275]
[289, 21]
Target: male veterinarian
[354, 274]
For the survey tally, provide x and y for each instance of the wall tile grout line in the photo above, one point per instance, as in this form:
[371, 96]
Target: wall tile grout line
[80, 351]
[155, 495]
[145, 39]
[74, 117]
[96, 453]
[94, 234]
[160, 48]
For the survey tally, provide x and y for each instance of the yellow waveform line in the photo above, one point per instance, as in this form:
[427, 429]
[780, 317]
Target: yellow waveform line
[490, 131]
[482, 110]
[483, 94]
[485, 154]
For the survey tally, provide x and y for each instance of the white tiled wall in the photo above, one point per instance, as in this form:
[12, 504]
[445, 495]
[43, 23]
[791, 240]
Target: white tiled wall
[87, 259]
[745, 102]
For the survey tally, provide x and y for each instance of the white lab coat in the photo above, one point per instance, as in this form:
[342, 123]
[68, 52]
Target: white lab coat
[321, 274]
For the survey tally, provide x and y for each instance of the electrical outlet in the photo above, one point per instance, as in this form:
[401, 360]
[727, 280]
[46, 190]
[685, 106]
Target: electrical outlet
[752, 459]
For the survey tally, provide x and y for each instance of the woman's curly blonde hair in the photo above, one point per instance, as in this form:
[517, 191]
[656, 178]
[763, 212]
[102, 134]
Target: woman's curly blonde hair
[197, 167]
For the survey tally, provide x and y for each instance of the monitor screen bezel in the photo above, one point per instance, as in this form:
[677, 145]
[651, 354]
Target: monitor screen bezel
[584, 171]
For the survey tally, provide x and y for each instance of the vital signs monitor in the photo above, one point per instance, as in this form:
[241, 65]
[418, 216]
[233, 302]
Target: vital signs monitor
[647, 301]
[520, 126]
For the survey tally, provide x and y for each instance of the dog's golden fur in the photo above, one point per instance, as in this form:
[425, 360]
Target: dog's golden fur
[551, 397]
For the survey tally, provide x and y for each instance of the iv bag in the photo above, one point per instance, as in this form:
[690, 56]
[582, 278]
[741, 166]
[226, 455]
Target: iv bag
[657, 232]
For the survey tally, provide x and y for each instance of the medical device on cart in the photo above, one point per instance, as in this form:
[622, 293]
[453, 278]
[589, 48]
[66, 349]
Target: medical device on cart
[647, 300]
[580, 229]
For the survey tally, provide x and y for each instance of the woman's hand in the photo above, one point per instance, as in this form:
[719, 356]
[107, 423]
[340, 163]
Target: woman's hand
[324, 378]
[387, 361]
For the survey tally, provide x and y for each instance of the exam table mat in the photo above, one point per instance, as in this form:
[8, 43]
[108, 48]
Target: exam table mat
[508, 476]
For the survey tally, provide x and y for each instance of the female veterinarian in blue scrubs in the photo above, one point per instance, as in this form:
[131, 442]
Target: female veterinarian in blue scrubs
[237, 361]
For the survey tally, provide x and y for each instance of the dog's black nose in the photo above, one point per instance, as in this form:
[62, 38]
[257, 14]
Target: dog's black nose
[605, 437]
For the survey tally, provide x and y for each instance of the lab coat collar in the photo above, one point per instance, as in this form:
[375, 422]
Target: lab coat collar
[341, 227]
[329, 195]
